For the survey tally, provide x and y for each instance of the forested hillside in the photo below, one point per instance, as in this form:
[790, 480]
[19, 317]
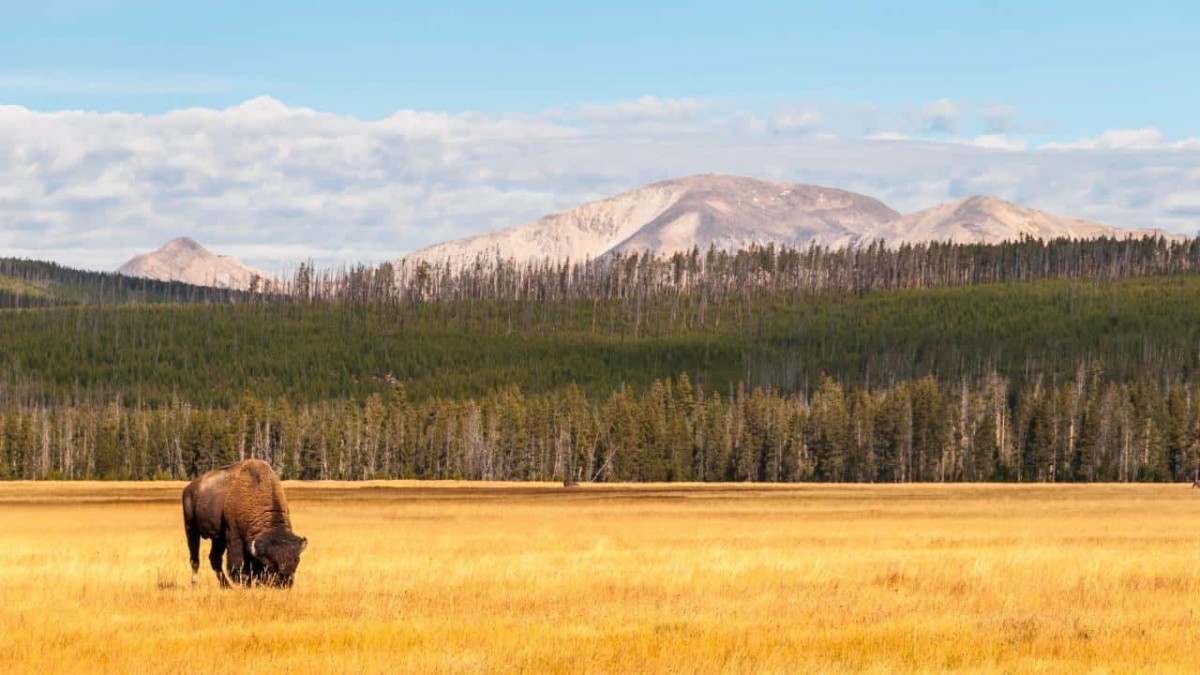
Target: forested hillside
[209, 354]
[34, 283]
[1029, 361]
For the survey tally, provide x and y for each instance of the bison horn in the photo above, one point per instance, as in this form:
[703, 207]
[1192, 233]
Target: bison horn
[303, 543]
[254, 548]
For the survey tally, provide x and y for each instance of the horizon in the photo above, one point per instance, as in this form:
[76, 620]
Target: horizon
[124, 124]
[287, 268]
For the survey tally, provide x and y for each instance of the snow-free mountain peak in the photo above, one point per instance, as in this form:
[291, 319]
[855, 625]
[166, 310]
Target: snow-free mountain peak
[732, 212]
[184, 244]
[184, 259]
[990, 220]
[676, 215]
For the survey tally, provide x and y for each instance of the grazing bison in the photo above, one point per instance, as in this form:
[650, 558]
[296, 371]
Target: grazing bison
[242, 509]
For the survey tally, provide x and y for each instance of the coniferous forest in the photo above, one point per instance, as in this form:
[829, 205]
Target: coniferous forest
[1027, 361]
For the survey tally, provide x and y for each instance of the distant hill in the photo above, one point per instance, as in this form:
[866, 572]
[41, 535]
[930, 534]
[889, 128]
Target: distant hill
[731, 212]
[990, 220]
[185, 260]
[36, 283]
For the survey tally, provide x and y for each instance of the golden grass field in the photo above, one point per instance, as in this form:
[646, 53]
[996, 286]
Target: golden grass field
[420, 577]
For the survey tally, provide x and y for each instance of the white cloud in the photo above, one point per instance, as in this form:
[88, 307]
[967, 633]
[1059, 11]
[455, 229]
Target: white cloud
[1146, 138]
[998, 142]
[999, 118]
[640, 109]
[277, 184]
[940, 116]
[1115, 139]
[795, 121]
[1184, 204]
[888, 136]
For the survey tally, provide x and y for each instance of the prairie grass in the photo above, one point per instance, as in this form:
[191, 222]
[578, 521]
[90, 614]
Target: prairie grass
[458, 577]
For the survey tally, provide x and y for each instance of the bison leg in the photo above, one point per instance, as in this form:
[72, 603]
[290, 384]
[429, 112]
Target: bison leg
[250, 569]
[238, 569]
[214, 558]
[247, 572]
[193, 539]
[256, 570]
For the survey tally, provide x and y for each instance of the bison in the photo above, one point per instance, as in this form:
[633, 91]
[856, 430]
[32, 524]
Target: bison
[242, 509]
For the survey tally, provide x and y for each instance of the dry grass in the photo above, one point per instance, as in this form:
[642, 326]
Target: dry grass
[413, 577]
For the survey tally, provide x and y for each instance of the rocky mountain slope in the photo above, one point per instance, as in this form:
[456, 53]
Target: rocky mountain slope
[185, 260]
[675, 215]
[989, 220]
[732, 212]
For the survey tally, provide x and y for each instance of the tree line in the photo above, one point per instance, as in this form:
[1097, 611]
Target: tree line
[711, 276]
[31, 284]
[716, 275]
[1085, 429]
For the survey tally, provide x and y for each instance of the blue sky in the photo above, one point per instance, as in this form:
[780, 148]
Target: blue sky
[358, 131]
[1071, 68]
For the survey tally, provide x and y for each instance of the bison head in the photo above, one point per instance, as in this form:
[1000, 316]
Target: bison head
[280, 556]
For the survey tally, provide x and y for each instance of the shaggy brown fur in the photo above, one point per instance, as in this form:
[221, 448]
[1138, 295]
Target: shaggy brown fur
[243, 510]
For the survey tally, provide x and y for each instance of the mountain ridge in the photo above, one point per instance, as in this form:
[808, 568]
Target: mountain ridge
[677, 214]
[732, 212]
[185, 259]
[985, 219]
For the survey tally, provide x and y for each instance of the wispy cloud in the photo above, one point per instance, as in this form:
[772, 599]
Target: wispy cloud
[940, 116]
[1145, 138]
[277, 184]
[795, 121]
[999, 118]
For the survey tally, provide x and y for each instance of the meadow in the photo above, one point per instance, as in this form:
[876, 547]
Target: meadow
[477, 577]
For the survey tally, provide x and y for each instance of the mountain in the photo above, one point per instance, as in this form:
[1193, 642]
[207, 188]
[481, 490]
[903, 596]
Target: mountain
[732, 212]
[185, 260]
[990, 220]
[28, 283]
[727, 211]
